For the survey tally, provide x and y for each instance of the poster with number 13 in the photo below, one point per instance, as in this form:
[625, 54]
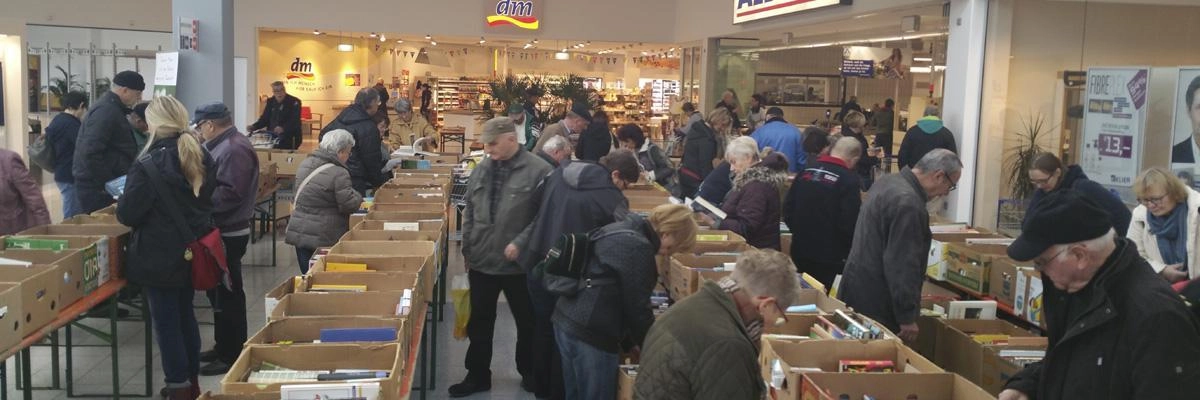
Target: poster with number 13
[1114, 124]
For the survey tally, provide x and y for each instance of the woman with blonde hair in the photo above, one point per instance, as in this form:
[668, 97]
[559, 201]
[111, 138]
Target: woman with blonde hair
[590, 326]
[1166, 224]
[174, 178]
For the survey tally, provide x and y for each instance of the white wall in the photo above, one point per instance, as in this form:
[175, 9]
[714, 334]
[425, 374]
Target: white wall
[699, 19]
[12, 55]
[153, 15]
[41, 36]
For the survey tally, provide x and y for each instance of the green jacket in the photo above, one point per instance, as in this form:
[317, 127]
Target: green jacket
[699, 350]
[487, 232]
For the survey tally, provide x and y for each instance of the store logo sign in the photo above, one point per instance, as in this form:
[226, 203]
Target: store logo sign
[519, 14]
[752, 10]
[301, 70]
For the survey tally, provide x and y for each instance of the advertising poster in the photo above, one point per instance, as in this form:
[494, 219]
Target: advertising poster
[1185, 143]
[1114, 124]
[875, 62]
[166, 73]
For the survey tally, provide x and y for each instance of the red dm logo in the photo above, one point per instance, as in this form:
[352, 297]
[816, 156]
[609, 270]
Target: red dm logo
[514, 12]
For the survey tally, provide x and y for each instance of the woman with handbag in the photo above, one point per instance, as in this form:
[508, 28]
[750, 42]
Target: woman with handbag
[167, 202]
[325, 198]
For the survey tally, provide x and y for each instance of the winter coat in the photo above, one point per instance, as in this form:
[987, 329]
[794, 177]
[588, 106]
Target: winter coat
[821, 210]
[717, 184]
[237, 181]
[884, 121]
[1126, 335]
[366, 160]
[1074, 178]
[594, 143]
[753, 207]
[655, 161]
[322, 213]
[284, 113]
[929, 133]
[686, 360]
[1147, 242]
[406, 133]
[603, 315]
[61, 135]
[886, 266]
[21, 203]
[783, 138]
[156, 246]
[866, 164]
[104, 151]
[699, 151]
[486, 232]
[556, 129]
[576, 198]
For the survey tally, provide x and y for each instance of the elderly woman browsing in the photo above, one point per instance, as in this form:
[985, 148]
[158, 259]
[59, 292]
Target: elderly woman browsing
[324, 199]
[1165, 224]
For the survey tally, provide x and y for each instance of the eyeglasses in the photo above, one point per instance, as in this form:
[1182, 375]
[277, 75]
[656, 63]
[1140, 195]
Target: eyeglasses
[1039, 182]
[953, 184]
[1040, 265]
[1155, 201]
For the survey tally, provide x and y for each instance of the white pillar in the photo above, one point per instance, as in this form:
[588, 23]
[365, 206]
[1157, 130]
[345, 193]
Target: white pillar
[963, 95]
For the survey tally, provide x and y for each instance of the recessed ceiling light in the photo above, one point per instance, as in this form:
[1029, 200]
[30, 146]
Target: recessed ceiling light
[399, 40]
[427, 37]
[316, 32]
[373, 35]
[433, 43]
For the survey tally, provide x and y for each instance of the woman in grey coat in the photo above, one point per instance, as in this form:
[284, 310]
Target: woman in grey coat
[325, 197]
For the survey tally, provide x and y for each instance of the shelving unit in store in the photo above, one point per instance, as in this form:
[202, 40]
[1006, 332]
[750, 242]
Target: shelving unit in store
[459, 94]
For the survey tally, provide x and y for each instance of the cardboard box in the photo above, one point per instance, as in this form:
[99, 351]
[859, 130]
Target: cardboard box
[970, 265]
[420, 195]
[625, 381]
[253, 396]
[785, 243]
[824, 303]
[684, 273]
[71, 269]
[110, 210]
[936, 266]
[11, 315]
[272, 298]
[780, 360]
[427, 226]
[732, 242]
[394, 249]
[410, 207]
[287, 163]
[1003, 282]
[384, 357]
[415, 180]
[95, 267]
[264, 156]
[312, 304]
[1034, 305]
[405, 216]
[268, 173]
[374, 281]
[401, 264]
[957, 352]
[118, 236]
[932, 386]
[94, 219]
[305, 330]
[370, 235]
[39, 299]
[996, 371]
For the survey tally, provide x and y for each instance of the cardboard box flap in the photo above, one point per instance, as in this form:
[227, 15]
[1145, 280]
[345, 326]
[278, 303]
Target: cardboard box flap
[415, 195]
[407, 264]
[409, 207]
[300, 330]
[374, 281]
[38, 300]
[825, 354]
[404, 216]
[385, 248]
[381, 235]
[430, 225]
[351, 304]
[931, 386]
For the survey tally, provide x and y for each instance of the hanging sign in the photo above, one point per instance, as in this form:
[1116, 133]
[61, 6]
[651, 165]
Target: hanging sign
[512, 16]
[1114, 124]
[751, 10]
[875, 62]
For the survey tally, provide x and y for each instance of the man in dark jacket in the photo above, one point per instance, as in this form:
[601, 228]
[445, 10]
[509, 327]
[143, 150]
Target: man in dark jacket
[382, 114]
[851, 105]
[578, 197]
[367, 160]
[884, 122]
[1116, 330]
[716, 185]
[596, 141]
[106, 147]
[281, 116]
[886, 265]
[61, 135]
[699, 151]
[233, 206]
[929, 133]
[821, 209]
[503, 197]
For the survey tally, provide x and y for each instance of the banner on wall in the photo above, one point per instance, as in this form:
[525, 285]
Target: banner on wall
[1186, 132]
[1114, 124]
[875, 62]
[512, 16]
[301, 79]
[166, 73]
[752, 10]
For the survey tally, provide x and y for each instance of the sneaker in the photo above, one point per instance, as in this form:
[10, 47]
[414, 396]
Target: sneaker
[214, 368]
[470, 385]
[208, 356]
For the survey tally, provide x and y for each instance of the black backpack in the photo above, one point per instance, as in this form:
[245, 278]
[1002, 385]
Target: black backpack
[564, 270]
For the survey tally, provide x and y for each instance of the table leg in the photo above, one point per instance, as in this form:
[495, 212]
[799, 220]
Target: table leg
[70, 365]
[3, 379]
[55, 381]
[433, 351]
[424, 360]
[149, 345]
[112, 324]
[274, 229]
[27, 374]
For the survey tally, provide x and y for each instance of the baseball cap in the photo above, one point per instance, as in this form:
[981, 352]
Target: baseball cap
[496, 127]
[1063, 216]
[214, 110]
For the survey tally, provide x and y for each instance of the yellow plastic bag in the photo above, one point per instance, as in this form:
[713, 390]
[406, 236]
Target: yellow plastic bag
[460, 293]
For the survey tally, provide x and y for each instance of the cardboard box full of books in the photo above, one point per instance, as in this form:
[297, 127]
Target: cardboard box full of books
[12, 315]
[270, 367]
[308, 330]
[717, 241]
[71, 269]
[969, 265]
[784, 363]
[95, 250]
[80, 225]
[688, 271]
[372, 304]
[961, 343]
[924, 386]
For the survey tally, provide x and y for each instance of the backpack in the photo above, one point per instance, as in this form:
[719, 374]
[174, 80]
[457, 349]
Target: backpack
[564, 270]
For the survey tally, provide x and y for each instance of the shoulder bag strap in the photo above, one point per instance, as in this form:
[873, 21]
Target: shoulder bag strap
[300, 189]
[157, 182]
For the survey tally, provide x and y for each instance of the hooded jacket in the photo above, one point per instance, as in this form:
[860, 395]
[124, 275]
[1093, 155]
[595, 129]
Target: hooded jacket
[21, 203]
[322, 213]
[62, 133]
[1073, 178]
[104, 151]
[576, 198]
[237, 181]
[821, 210]
[1126, 335]
[929, 133]
[366, 160]
[486, 232]
[156, 245]
[753, 207]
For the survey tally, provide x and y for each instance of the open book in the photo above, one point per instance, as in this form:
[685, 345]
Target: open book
[708, 207]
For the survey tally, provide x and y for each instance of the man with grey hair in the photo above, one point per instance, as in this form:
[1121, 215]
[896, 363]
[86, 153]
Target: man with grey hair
[409, 126]
[1116, 329]
[281, 117]
[555, 150]
[367, 160]
[821, 209]
[573, 125]
[106, 148]
[929, 133]
[886, 265]
[706, 346]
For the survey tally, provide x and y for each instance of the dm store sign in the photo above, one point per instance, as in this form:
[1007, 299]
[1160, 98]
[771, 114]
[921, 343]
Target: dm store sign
[752, 10]
[513, 15]
[301, 78]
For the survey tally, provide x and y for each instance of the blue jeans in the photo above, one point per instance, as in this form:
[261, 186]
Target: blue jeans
[70, 203]
[588, 373]
[303, 254]
[177, 332]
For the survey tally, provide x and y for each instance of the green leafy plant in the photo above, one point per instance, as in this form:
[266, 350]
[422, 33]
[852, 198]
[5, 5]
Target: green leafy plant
[560, 94]
[1018, 159]
[61, 86]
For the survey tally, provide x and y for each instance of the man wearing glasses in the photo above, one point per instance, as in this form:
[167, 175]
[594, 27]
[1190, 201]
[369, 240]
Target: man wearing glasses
[886, 266]
[1116, 330]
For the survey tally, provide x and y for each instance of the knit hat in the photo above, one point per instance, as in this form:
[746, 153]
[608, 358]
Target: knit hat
[130, 79]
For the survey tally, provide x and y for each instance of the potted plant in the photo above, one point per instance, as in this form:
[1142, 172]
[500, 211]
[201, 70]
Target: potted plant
[1018, 160]
[59, 87]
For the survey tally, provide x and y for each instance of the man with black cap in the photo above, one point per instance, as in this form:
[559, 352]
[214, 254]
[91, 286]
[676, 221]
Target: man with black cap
[1116, 330]
[233, 207]
[572, 126]
[106, 147]
[505, 191]
[782, 136]
[281, 116]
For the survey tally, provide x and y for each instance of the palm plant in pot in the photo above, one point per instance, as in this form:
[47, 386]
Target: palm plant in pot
[1018, 160]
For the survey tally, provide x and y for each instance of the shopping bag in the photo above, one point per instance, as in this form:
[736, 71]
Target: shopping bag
[460, 293]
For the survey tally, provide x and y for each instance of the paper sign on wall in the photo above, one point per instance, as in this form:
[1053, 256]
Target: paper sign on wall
[1114, 124]
[166, 73]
